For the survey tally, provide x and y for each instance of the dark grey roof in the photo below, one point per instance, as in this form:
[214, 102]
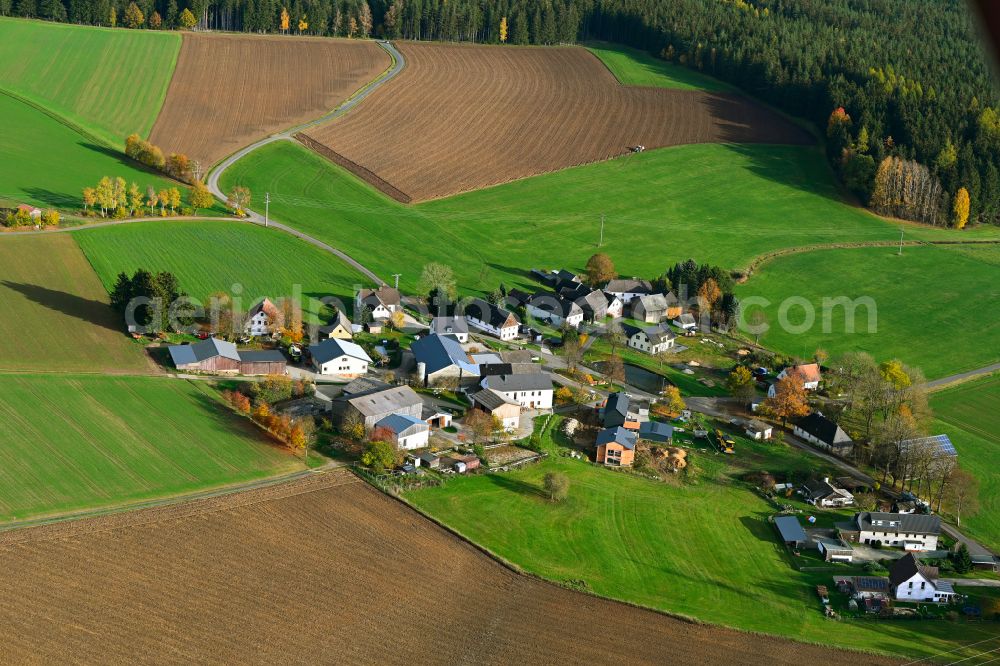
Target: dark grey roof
[620, 435]
[493, 369]
[905, 523]
[259, 307]
[449, 325]
[790, 528]
[907, 567]
[686, 318]
[817, 489]
[626, 286]
[438, 352]
[262, 356]
[487, 312]
[490, 399]
[658, 334]
[335, 348]
[629, 330]
[656, 431]
[617, 402]
[552, 303]
[203, 350]
[823, 429]
[363, 385]
[940, 444]
[535, 381]
[518, 297]
[568, 276]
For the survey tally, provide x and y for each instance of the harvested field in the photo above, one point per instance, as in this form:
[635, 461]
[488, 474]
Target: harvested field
[57, 315]
[231, 90]
[463, 117]
[321, 570]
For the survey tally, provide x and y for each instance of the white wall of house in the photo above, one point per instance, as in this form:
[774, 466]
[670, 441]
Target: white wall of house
[626, 296]
[615, 308]
[916, 588]
[416, 440]
[808, 437]
[343, 366]
[641, 342]
[530, 399]
[257, 325]
[912, 542]
[507, 333]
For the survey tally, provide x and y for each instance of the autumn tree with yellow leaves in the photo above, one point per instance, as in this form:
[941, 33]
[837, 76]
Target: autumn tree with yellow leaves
[503, 30]
[284, 20]
[960, 208]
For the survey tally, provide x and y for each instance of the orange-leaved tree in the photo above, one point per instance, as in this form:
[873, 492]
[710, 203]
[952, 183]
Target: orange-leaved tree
[789, 399]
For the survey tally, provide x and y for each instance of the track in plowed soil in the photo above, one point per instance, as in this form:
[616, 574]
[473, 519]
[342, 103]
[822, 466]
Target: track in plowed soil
[231, 90]
[320, 570]
[461, 117]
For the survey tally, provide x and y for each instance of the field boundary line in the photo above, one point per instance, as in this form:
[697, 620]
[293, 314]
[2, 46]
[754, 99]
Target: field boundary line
[62, 120]
[370, 177]
[197, 503]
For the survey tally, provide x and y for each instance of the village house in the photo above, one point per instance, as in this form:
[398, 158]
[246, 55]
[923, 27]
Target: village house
[654, 308]
[370, 402]
[34, 213]
[258, 322]
[530, 390]
[382, 302]
[652, 340]
[912, 532]
[593, 302]
[456, 326]
[616, 412]
[823, 493]
[758, 430]
[809, 372]
[824, 433]
[615, 306]
[339, 358]
[494, 320]
[218, 356]
[616, 447]
[436, 417]
[556, 310]
[685, 322]
[340, 328]
[409, 432]
[627, 289]
[506, 411]
[912, 581]
[441, 356]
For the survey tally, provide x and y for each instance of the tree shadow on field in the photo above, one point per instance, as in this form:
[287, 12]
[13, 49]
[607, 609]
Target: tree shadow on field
[121, 158]
[226, 421]
[758, 527]
[88, 310]
[50, 197]
[516, 486]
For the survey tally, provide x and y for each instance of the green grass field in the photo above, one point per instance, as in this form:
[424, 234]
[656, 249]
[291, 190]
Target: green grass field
[932, 304]
[209, 257]
[87, 441]
[111, 82]
[970, 415]
[724, 204]
[47, 163]
[637, 68]
[57, 317]
[701, 550]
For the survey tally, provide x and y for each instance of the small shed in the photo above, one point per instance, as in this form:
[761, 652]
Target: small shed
[834, 550]
[791, 531]
[262, 362]
[429, 460]
[758, 430]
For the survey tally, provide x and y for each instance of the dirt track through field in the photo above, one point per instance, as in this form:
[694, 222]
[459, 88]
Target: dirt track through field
[461, 117]
[230, 90]
[320, 570]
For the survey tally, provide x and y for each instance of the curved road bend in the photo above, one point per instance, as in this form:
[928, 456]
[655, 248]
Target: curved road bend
[398, 62]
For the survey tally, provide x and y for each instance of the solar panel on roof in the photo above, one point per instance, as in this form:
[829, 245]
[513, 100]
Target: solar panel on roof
[942, 442]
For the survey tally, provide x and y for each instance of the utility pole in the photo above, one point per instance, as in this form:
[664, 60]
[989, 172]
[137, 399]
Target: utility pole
[601, 242]
[900, 242]
[396, 275]
[267, 206]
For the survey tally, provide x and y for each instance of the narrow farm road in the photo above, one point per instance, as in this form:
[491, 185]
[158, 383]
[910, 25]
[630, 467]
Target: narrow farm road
[962, 376]
[398, 62]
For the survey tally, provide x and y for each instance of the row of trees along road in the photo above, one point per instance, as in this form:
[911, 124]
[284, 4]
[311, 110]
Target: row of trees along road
[889, 79]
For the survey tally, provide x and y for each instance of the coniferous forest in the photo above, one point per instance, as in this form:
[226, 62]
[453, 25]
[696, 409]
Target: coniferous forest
[901, 90]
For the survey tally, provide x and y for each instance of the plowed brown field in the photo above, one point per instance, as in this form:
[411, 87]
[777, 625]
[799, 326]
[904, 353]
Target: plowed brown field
[462, 117]
[322, 570]
[231, 90]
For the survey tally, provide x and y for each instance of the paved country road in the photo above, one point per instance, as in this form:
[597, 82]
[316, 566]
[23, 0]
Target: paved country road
[398, 62]
[962, 376]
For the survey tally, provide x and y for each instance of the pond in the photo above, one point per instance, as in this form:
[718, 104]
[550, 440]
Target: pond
[641, 378]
